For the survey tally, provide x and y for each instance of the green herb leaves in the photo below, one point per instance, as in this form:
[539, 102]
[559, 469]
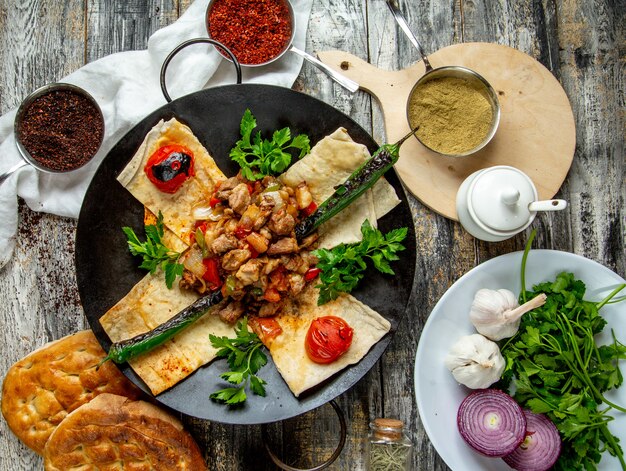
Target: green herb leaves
[259, 157]
[245, 358]
[153, 252]
[344, 265]
[557, 369]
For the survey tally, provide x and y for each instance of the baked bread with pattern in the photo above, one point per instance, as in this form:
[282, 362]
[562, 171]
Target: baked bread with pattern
[41, 389]
[113, 432]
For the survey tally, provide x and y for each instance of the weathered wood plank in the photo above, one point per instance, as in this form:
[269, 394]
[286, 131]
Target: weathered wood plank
[591, 45]
[310, 439]
[580, 42]
[41, 43]
[439, 258]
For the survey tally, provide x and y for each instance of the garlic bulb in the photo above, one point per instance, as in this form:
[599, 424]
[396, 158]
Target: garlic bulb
[496, 313]
[475, 361]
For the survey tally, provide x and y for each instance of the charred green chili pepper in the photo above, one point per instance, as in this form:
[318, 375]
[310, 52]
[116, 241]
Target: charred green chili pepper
[123, 351]
[361, 179]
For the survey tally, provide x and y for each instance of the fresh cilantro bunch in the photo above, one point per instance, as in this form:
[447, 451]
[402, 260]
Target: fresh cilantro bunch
[344, 266]
[245, 358]
[557, 369]
[260, 157]
[154, 253]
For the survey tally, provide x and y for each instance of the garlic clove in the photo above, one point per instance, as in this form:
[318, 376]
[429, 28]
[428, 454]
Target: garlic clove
[475, 361]
[496, 314]
[489, 301]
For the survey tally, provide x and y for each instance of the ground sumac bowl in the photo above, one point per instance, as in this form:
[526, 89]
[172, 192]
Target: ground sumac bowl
[257, 32]
[59, 128]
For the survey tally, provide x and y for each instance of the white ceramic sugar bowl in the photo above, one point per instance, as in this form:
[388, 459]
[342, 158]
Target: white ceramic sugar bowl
[495, 203]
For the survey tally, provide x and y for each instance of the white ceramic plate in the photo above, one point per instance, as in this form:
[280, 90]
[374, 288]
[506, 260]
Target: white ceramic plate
[438, 395]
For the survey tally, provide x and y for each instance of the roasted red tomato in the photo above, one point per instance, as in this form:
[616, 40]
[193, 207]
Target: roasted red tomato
[212, 273]
[328, 338]
[267, 328]
[169, 167]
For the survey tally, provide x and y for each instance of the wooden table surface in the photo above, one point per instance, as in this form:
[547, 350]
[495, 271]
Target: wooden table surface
[582, 42]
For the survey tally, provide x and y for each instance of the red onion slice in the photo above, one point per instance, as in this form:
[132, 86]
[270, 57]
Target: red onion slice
[491, 422]
[540, 448]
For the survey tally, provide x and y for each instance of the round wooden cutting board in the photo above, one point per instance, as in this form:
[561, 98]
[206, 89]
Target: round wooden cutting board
[536, 133]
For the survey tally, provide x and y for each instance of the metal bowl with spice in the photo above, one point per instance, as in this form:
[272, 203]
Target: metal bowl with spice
[260, 32]
[456, 110]
[58, 128]
[257, 32]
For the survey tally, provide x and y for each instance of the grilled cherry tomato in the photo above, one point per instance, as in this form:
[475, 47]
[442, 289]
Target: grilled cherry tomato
[328, 338]
[169, 167]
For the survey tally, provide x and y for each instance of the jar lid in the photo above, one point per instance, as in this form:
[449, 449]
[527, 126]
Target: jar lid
[388, 423]
[387, 428]
[499, 198]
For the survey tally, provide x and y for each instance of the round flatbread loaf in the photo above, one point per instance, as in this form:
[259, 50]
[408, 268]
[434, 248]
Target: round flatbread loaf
[42, 388]
[113, 432]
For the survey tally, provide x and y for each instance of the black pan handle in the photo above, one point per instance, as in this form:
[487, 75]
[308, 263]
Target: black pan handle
[189, 42]
[342, 441]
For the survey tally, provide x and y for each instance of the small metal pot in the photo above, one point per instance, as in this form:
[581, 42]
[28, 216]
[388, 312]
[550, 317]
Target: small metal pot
[289, 47]
[282, 52]
[19, 118]
[471, 76]
[431, 73]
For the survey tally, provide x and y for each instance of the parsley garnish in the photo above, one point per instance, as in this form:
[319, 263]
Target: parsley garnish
[260, 157]
[344, 266]
[154, 253]
[558, 370]
[245, 358]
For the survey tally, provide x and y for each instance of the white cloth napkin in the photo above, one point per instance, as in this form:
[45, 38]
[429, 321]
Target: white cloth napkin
[126, 86]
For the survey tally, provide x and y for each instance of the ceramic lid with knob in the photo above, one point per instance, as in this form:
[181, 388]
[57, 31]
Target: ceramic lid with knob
[499, 198]
[498, 202]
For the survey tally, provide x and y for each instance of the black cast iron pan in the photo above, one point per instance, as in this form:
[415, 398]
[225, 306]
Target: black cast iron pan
[106, 271]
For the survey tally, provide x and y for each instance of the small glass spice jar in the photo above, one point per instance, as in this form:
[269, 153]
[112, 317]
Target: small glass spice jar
[389, 448]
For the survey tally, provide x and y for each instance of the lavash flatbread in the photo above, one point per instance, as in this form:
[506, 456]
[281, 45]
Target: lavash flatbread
[330, 162]
[287, 349]
[176, 208]
[149, 304]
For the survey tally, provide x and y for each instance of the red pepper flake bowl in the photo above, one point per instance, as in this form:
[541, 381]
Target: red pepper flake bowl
[257, 32]
[59, 128]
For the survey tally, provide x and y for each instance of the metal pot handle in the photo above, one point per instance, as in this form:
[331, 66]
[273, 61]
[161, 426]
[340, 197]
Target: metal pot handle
[342, 441]
[183, 45]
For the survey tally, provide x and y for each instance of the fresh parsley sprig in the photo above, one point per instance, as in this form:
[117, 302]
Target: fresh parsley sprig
[245, 358]
[260, 157]
[344, 266]
[154, 253]
[557, 369]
